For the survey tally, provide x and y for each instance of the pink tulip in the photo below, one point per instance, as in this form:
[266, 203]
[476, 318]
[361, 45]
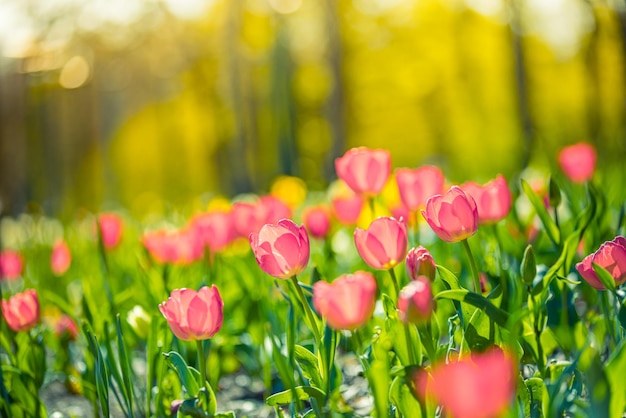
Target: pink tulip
[348, 302]
[214, 229]
[111, 227]
[317, 221]
[578, 162]
[416, 186]
[282, 250]
[11, 265]
[22, 310]
[419, 262]
[493, 200]
[347, 208]
[383, 245]
[66, 327]
[482, 386]
[274, 209]
[415, 302]
[611, 256]
[453, 216]
[364, 170]
[248, 218]
[177, 247]
[194, 315]
[61, 258]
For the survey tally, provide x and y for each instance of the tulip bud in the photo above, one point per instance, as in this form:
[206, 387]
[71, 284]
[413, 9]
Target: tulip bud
[11, 265]
[383, 245]
[419, 262]
[364, 170]
[22, 310]
[554, 193]
[415, 302]
[61, 258]
[528, 268]
[578, 162]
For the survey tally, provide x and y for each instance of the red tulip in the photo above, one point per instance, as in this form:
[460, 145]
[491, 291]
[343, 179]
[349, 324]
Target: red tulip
[493, 200]
[22, 310]
[11, 265]
[214, 229]
[61, 258]
[383, 245]
[348, 302]
[282, 250]
[194, 315]
[415, 302]
[611, 256]
[419, 262]
[578, 162]
[480, 386]
[364, 170]
[416, 186]
[453, 216]
[317, 221]
[111, 227]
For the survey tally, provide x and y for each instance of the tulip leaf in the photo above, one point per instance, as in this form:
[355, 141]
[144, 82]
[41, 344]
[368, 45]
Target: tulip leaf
[400, 394]
[550, 227]
[605, 277]
[102, 374]
[127, 376]
[186, 377]
[309, 364]
[499, 316]
[303, 393]
[615, 371]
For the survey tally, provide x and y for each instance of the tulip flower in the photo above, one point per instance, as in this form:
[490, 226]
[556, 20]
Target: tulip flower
[453, 216]
[248, 218]
[612, 257]
[348, 302]
[480, 386]
[282, 249]
[111, 227]
[317, 221]
[65, 327]
[419, 262]
[22, 310]
[578, 162]
[194, 315]
[177, 247]
[493, 200]
[364, 170]
[61, 258]
[11, 265]
[214, 229]
[415, 302]
[384, 244]
[347, 208]
[416, 186]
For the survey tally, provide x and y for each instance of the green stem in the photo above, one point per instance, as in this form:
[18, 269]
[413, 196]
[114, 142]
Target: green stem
[33, 346]
[394, 280]
[473, 266]
[203, 373]
[609, 319]
[427, 342]
[372, 207]
[307, 312]
[359, 351]
[409, 343]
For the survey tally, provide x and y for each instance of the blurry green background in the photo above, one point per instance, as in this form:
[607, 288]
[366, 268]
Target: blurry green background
[138, 103]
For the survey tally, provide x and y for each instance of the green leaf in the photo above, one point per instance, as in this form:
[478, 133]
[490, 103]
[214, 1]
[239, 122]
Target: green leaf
[538, 395]
[102, 374]
[303, 393]
[127, 376]
[186, 377]
[605, 277]
[615, 371]
[499, 316]
[227, 414]
[548, 224]
[528, 268]
[400, 394]
[309, 364]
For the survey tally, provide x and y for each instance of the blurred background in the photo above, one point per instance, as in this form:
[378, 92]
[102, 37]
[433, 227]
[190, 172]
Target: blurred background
[149, 103]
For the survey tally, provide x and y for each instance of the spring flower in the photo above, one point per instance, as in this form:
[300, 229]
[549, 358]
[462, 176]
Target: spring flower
[612, 257]
[65, 327]
[578, 162]
[417, 185]
[347, 208]
[139, 320]
[493, 200]
[383, 245]
[111, 227]
[480, 386]
[61, 258]
[364, 170]
[415, 302]
[22, 310]
[419, 262]
[317, 221]
[177, 247]
[215, 230]
[11, 265]
[248, 218]
[348, 302]
[453, 216]
[282, 249]
[194, 315]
